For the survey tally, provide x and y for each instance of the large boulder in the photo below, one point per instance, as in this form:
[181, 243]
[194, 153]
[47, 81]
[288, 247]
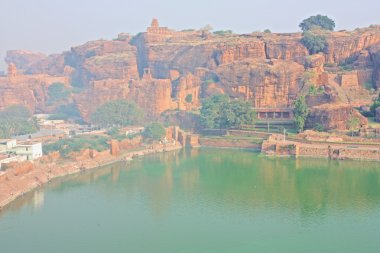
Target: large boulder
[333, 117]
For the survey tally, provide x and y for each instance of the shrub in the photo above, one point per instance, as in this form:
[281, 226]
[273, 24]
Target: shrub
[223, 32]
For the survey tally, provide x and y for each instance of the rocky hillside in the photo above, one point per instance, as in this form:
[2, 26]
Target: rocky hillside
[162, 69]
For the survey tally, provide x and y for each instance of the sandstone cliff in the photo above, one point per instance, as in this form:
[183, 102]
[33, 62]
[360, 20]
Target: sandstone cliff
[268, 70]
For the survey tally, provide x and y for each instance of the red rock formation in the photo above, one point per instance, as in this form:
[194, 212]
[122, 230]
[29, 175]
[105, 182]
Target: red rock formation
[346, 45]
[23, 59]
[98, 93]
[333, 116]
[266, 84]
[188, 92]
[27, 90]
[152, 95]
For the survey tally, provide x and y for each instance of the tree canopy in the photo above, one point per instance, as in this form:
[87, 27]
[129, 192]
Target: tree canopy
[58, 92]
[319, 22]
[16, 120]
[154, 131]
[375, 105]
[220, 112]
[118, 113]
[315, 43]
[301, 111]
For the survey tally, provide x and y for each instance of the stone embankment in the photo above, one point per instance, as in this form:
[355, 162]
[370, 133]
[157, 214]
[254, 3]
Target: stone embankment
[25, 177]
[276, 145]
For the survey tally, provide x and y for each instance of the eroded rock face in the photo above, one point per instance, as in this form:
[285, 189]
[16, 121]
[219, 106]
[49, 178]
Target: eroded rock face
[333, 116]
[23, 59]
[375, 56]
[99, 93]
[264, 83]
[102, 59]
[27, 90]
[343, 46]
[152, 95]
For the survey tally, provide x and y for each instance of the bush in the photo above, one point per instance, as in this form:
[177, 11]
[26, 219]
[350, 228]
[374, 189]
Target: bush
[223, 32]
[314, 43]
[375, 105]
[76, 144]
[313, 90]
[319, 127]
[318, 21]
[154, 131]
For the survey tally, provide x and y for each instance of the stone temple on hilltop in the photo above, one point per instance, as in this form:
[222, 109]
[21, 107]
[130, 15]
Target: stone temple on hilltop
[156, 29]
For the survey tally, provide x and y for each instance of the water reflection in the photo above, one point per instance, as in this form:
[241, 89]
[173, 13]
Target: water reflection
[233, 180]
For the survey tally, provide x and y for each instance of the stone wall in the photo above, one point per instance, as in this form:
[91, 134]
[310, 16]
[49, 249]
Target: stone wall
[349, 80]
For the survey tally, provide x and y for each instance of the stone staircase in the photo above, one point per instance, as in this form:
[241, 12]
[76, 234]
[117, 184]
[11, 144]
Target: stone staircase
[333, 83]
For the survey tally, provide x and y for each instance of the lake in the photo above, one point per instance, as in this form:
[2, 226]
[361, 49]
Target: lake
[202, 200]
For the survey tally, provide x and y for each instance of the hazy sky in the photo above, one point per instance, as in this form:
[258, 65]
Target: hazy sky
[53, 26]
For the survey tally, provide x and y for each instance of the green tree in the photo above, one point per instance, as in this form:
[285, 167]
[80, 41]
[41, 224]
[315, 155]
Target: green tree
[154, 131]
[318, 21]
[301, 111]
[58, 92]
[314, 43]
[353, 123]
[65, 112]
[189, 98]
[16, 120]
[375, 105]
[118, 113]
[219, 112]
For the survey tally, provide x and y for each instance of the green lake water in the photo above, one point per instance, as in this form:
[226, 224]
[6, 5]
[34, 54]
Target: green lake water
[202, 200]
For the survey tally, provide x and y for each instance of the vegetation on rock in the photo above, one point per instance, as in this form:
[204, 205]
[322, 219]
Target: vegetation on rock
[16, 120]
[219, 112]
[118, 113]
[319, 22]
[301, 111]
[315, 43]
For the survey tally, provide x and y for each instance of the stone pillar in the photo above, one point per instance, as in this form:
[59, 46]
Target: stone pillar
[115, 149]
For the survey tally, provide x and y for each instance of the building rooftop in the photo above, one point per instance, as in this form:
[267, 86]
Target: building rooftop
[40, 134]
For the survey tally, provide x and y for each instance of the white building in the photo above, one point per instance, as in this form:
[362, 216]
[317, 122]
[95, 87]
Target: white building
[7, 144]
[29, 151]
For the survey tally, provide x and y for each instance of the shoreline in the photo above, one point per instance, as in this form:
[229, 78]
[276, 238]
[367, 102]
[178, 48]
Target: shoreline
[40, 174]
[19, 181]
